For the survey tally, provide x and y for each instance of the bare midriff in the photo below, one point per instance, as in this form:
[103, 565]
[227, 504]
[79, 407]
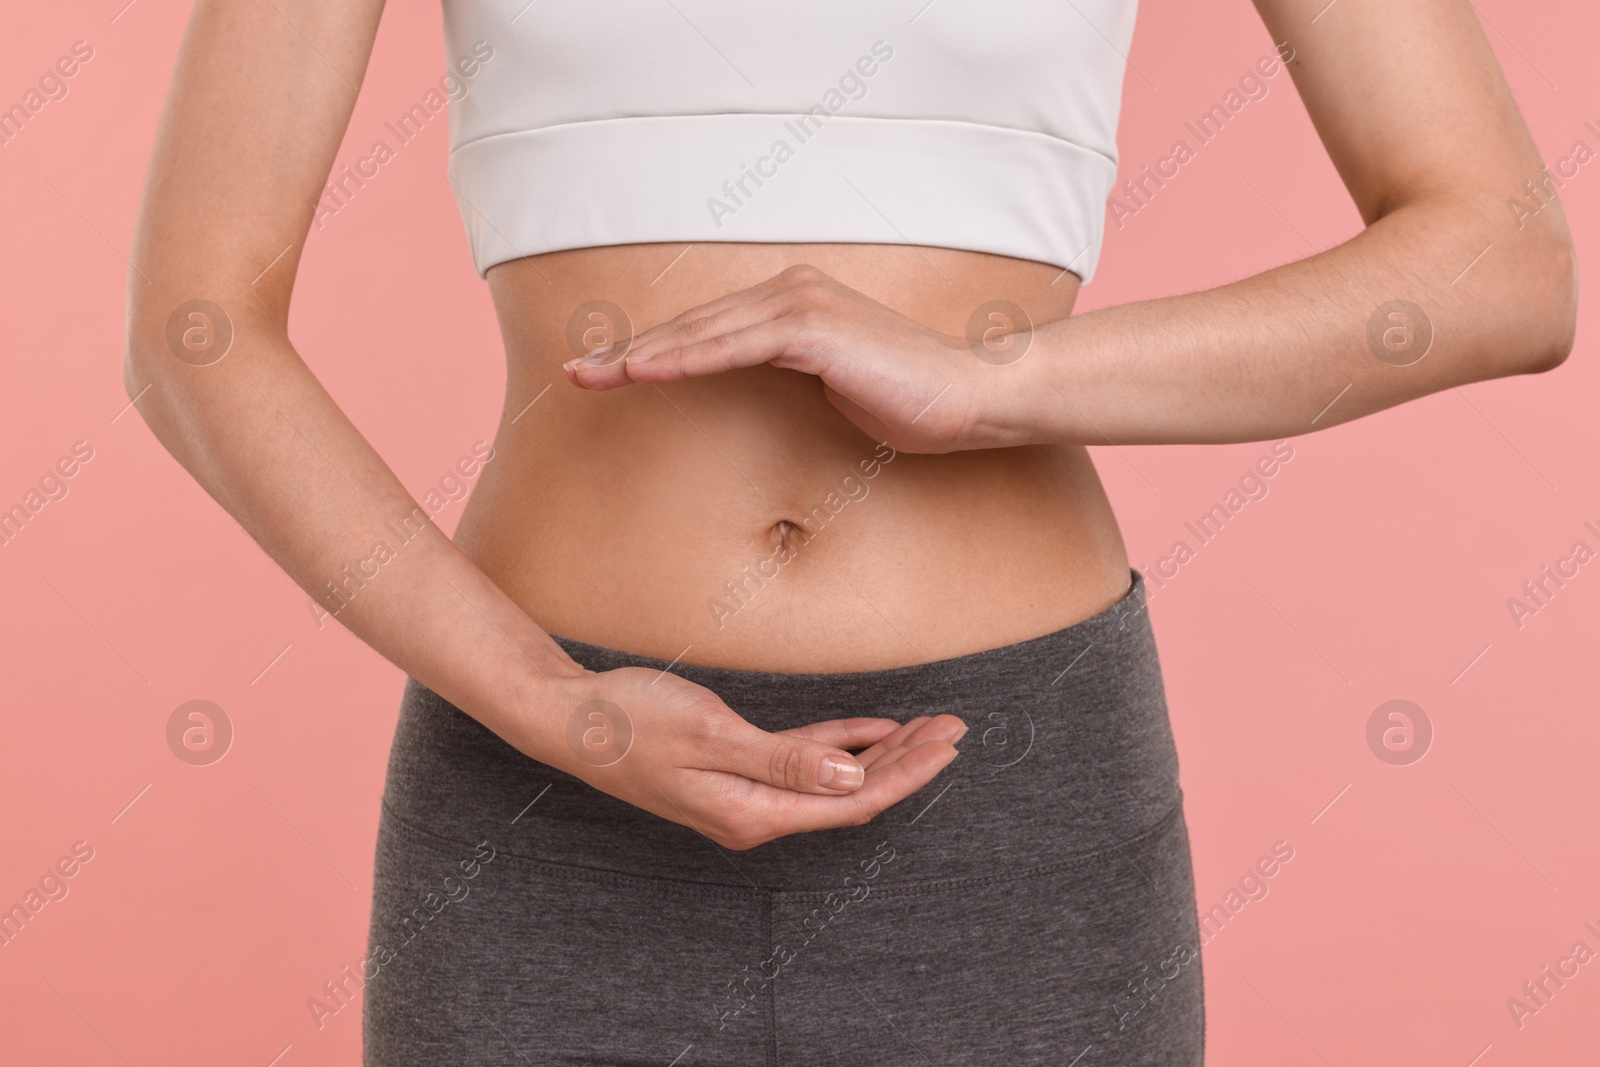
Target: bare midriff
[739, 520]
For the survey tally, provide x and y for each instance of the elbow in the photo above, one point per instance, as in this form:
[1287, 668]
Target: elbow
[147, 366]
[161, 340]
[1545, 308]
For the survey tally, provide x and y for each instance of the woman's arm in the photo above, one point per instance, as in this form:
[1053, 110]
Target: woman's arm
[1420, 124]
[259, 101]
[1419, 121]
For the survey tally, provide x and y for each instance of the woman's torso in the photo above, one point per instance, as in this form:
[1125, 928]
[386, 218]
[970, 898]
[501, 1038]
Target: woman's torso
[741, 521]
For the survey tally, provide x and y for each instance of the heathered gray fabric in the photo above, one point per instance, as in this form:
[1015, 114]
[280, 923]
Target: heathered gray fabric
[1015, 912]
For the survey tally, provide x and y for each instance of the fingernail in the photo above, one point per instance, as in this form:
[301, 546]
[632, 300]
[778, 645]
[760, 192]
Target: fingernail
[597, 358]
[963, 733]
[639, 359]
[841, 774]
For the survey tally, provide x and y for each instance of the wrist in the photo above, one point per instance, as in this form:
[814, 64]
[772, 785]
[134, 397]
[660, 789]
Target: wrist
[540, 706]
[1049, 403]
[1016, 400]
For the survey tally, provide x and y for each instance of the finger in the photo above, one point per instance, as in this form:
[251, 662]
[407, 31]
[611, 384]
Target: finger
[890, 741]
[732, 312]
[791, 763]
[846, 733]
[705, 338]
[923, 728]
[779, 282]
[882, 789]
[892, 755]
[600, 369]
[761, 342]
[946, 728]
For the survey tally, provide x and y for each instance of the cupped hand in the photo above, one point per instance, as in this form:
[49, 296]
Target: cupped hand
[898, 381]
[671, 747]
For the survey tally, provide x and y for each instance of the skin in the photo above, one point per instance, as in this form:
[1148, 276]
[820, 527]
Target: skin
[617, 505]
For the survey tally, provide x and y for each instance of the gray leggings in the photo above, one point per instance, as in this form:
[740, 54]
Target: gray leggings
[1033, 905]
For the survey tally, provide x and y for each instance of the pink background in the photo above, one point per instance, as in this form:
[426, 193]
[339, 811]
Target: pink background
[1378, 567]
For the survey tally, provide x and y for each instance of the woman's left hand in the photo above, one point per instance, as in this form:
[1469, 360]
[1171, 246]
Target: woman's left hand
[894, 378]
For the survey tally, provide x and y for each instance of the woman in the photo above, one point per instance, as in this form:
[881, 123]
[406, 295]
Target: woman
[733, 586]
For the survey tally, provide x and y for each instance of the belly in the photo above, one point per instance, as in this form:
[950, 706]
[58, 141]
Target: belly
[739, 520]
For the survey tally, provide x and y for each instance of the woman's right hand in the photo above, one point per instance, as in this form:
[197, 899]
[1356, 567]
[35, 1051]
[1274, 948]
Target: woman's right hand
[671, 747]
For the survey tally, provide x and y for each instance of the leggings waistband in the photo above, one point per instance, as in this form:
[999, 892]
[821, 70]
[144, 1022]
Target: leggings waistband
[1069, 752]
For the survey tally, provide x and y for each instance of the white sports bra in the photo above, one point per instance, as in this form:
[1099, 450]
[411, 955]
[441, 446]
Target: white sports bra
[952, 123]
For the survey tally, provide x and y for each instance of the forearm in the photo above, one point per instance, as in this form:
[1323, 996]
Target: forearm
[1287, 351]
[260, 98]
[260, 434]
